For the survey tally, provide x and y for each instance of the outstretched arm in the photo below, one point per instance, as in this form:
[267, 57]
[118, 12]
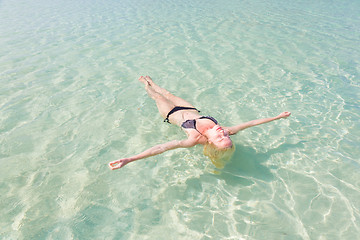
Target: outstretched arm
[158, 149]
[235, 129]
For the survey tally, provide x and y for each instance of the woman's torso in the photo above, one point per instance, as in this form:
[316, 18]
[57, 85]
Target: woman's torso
[179, 117]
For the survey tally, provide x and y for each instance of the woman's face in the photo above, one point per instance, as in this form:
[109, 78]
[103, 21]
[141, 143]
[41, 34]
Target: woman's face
[219, 137]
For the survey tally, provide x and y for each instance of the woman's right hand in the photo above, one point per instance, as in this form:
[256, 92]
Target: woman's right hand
[284, 115]
[118, 163]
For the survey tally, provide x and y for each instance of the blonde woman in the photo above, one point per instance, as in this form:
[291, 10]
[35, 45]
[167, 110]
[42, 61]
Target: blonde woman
[203, 130]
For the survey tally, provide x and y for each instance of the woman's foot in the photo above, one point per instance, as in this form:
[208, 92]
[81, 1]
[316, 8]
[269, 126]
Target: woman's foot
[143, 80]
[149, 80]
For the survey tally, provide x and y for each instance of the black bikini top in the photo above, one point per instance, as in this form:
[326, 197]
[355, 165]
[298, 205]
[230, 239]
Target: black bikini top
[191, 123]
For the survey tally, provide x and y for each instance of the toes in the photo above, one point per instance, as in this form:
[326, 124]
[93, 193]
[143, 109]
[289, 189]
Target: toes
[142, 79]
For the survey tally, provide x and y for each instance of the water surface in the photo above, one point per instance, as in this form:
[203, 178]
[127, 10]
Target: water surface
[70, 103]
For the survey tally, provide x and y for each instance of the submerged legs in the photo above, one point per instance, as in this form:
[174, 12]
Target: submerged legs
[177, 101]
[165, 101]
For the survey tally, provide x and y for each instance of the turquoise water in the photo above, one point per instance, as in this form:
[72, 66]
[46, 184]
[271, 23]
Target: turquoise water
[70, 103]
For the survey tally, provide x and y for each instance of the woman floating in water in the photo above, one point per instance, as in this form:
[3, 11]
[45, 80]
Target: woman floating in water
[203, 130]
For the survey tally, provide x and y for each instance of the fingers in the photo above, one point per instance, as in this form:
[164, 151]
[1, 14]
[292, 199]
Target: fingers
[115, 164]
[286, 114]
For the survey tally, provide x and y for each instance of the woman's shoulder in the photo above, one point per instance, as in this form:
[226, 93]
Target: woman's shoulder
[195, 136]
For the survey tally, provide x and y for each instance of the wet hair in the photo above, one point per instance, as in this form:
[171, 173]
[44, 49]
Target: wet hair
[219, 157]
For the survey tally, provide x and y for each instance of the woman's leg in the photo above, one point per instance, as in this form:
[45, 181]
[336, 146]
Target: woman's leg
[176, 101]
[163, 104]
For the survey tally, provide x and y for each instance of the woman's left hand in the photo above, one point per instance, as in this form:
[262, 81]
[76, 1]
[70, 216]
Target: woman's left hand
[118, 163]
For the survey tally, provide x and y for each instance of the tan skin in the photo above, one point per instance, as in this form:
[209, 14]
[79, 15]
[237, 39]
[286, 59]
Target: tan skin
[209, 132]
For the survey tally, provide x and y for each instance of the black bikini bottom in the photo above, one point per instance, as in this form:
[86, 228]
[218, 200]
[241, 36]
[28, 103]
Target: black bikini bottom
[178, 108]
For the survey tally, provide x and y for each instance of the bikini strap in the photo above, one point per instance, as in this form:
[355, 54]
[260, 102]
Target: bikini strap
[210, 118]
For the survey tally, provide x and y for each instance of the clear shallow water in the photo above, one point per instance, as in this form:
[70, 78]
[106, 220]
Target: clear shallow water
[70, 103]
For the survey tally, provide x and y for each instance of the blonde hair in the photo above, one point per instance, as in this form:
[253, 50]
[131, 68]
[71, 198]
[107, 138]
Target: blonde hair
[219, 157]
